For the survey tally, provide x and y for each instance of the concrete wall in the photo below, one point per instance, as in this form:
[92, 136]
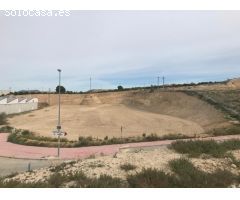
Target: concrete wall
[17, 107]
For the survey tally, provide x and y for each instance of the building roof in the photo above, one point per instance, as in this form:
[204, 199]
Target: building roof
[10, 99]
[1, 98]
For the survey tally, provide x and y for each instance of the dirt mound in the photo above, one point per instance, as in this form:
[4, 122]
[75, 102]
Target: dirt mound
[90, 100]
[105, 120]
[234, 83]
[140, 111]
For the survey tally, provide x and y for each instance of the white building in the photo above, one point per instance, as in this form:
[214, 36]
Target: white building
[11, 104]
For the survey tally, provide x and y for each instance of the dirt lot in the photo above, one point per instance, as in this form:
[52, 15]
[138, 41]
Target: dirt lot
[139, 112]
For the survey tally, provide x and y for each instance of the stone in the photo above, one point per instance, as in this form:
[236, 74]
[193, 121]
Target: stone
[233, 166]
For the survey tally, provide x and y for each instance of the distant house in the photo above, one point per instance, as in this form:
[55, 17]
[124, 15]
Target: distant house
[32, 100]
[22, 100]
[12, 100]
[3, 100]
[12, 104]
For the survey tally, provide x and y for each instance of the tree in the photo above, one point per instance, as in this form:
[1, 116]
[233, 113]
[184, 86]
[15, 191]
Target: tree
[120, 87]
[62, 89]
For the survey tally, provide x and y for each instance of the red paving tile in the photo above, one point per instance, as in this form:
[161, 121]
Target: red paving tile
[8, 149]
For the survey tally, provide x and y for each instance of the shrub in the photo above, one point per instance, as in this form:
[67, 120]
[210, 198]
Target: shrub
[81, 180]
[19, 184]
[56, 180]
[198, 147]
[58, 168]
[151, 178]
[105, 181]
[230, 130]
[210, 147]
[190, 177]
[3, 118]
[6, 129]
[26, 137]
[127, 167]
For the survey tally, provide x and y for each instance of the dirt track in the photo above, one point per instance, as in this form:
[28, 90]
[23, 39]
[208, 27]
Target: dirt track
[139, 112]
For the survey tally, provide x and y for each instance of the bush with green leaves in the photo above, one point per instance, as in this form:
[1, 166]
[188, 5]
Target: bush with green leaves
[195, 148]
[151, 178]
[3, 119]
[26, 137]
[128, 167]
[189, 176]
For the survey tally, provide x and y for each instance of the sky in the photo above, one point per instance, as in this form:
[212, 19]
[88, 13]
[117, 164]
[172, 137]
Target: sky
[128, 48]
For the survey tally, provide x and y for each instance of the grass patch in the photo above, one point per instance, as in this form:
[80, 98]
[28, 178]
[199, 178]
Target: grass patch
[127, 167]
[191, 177]
[210, 147]
[230, 130]
[28, 138]
[19, 184]
[105, 181]
[96, 165]
[56, 180]
[151, 178]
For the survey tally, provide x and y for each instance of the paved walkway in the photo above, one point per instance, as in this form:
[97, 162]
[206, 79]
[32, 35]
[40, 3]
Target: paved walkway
[8, 149]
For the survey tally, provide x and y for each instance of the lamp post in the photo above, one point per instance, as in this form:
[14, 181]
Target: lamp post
[59, 102]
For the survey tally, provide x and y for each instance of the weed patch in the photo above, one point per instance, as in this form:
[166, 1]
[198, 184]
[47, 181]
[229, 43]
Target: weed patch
[128, 167]
[210, 147]
[190, 177]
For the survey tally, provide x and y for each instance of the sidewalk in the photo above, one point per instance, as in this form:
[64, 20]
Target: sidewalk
[11, 150]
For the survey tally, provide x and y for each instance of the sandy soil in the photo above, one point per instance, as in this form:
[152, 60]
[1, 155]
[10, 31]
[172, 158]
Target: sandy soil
[103, 120]
[139, 112]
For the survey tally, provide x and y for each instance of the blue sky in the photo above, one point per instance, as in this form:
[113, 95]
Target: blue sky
[130, 48]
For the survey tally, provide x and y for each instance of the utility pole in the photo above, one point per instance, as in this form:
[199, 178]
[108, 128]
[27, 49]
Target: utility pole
[59, 102]
[49, 91]
[121, 132]
[163, 79]
[90, 83]
[158, 81]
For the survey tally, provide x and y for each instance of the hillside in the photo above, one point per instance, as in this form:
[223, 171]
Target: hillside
[138, 112]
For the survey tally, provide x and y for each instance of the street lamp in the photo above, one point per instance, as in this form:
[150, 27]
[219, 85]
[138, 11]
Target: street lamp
[59, 102]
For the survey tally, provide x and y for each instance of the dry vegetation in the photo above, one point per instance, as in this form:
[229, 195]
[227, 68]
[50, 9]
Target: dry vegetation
[144, 167]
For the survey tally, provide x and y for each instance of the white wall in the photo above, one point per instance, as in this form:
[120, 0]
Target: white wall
[17, 107]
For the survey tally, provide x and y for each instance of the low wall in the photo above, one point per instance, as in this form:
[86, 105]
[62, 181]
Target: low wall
[17, 107]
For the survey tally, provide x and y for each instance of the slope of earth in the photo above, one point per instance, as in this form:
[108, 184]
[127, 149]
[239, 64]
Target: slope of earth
[103, 120]
[142, 111]
[227, 100]
[179, 105]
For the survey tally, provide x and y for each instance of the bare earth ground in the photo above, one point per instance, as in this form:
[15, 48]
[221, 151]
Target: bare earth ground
[139, 112]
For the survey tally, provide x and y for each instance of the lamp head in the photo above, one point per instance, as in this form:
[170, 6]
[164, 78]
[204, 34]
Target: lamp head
[59, 70]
